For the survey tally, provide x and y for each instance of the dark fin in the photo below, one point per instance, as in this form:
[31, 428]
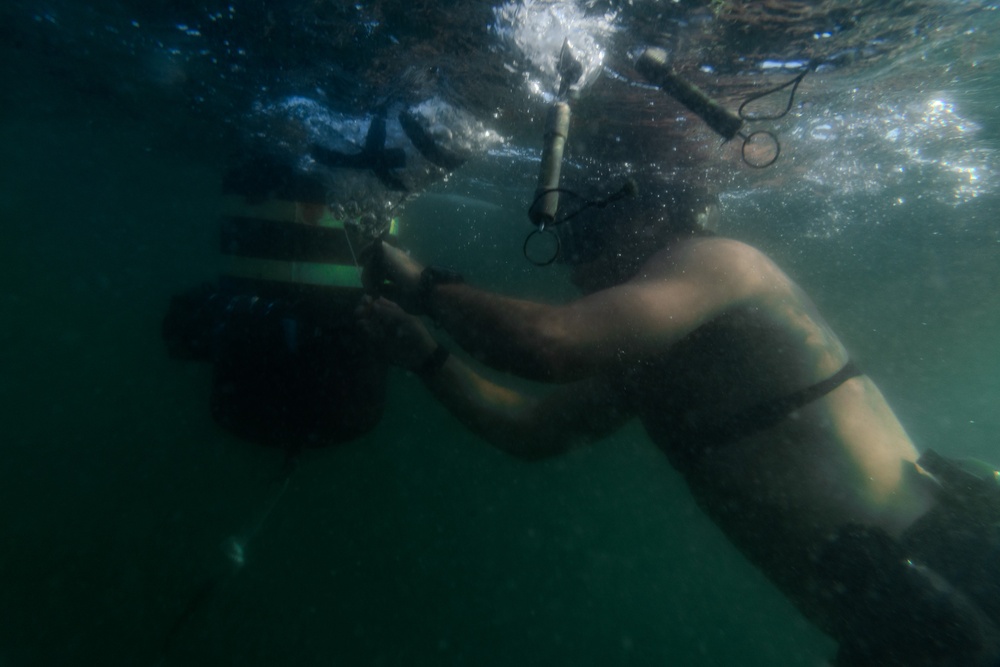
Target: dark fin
[374, 156]
[390, 181]
[393, 158]
[434, 153]
[375, 139]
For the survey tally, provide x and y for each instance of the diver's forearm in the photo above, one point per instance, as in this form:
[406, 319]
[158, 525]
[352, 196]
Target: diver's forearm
[494, 413]
[507, 334]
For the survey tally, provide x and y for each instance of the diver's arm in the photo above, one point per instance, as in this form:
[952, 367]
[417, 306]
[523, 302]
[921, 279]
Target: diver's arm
[512, 421]
[497, 330]
[674, 293]
[508, 334]
[520, 425]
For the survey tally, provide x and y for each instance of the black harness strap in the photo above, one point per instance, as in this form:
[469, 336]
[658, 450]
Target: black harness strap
[763, 415]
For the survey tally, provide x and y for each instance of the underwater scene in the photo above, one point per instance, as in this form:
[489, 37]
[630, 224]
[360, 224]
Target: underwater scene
[219, 483]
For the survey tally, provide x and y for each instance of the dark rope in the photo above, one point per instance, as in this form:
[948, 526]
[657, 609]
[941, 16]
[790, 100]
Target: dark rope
[626, 190]
[794, 83]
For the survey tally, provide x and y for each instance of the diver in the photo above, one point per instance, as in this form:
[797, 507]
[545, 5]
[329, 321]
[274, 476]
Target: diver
[782, 439]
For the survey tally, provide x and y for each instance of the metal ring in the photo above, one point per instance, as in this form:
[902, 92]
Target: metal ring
[527, 240]
[761, 165]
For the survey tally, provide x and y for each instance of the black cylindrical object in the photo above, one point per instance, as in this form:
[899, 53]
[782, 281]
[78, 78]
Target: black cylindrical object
[652, 64]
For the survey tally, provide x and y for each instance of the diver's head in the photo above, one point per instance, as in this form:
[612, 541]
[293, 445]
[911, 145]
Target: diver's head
[606, 246]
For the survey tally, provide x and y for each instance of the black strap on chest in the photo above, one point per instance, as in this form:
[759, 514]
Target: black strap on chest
[706, 435]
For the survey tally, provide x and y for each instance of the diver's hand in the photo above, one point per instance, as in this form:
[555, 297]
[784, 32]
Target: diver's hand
[401, 269]
[402, 273]
[403, 338]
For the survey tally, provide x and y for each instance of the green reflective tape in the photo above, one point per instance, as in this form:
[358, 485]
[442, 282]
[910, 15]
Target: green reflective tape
[303, 273]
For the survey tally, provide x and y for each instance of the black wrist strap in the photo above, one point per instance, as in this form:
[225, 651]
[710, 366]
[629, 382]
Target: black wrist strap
[433, 363]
